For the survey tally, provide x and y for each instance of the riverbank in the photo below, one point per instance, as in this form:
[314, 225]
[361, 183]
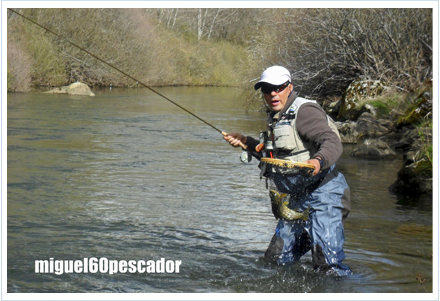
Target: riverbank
[389, 125]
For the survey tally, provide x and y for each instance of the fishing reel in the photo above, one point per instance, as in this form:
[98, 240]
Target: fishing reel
[246, 157]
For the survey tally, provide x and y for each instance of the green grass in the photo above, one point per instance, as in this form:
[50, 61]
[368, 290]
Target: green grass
[384, 103]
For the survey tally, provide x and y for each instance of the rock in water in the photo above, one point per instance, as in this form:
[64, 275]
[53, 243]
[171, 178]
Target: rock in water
[374, 149]
[73, 89]
[413, 180]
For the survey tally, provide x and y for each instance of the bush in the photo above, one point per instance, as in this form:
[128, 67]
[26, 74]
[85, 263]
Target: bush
[326, 49]
[128, 39]
[19, 73]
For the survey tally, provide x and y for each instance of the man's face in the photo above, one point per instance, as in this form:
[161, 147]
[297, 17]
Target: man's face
[276, 96]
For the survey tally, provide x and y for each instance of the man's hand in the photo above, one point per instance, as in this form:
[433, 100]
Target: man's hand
[235, 139]
[314, 162]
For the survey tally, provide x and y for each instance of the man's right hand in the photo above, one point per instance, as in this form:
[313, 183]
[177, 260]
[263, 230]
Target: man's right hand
[235, 139]
[314, 162]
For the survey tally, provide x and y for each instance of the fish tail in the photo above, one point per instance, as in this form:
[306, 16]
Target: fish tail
[305, 214]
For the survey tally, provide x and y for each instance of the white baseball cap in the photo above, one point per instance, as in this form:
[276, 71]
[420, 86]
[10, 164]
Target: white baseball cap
[275, 75]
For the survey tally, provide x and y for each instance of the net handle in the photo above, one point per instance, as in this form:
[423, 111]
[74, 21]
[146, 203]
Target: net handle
[287, 164]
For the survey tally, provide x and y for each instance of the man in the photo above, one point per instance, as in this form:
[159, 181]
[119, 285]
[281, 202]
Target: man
[299, 130]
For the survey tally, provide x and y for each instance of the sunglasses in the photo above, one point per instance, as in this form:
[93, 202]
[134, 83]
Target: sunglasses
[268, 89]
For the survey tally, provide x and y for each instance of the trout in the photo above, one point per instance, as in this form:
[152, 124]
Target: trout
[285, 212]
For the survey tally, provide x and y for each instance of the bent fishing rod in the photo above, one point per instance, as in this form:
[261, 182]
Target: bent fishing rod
[244, 146]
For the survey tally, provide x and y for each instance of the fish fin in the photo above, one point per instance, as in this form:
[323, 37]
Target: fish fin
[305, 214]
[282, 197]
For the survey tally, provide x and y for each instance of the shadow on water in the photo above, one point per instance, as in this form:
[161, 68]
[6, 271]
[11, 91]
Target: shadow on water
[127, 176]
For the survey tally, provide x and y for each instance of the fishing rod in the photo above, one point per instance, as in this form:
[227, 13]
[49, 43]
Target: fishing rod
[244, 146]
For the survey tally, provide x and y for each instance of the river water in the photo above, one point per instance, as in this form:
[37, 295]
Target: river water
[125, 175]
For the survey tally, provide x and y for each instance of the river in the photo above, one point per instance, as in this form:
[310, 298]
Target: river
[126, 175]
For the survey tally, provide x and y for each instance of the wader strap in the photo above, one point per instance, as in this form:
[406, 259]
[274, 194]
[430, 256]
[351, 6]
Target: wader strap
[300, 152]
[330, 176]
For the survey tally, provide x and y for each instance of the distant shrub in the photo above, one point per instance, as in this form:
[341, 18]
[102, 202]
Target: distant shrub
[130, 40]
[19, 72]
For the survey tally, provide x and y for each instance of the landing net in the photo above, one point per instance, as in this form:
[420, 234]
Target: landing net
[286, 167]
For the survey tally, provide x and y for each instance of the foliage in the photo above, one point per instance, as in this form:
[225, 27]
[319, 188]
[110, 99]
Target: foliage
[237, 25]
[382, 107]
[126, 38]
[426, 147]
[386, 103]
[326, 49]
[32, 51]
[418, 107]
[19, 75]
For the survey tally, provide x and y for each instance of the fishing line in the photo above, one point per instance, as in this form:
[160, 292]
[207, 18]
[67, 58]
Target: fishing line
[124, 73]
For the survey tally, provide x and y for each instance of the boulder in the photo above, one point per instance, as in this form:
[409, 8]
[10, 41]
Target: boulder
[366, 127]
[350, 108]
[368, 109]
[413, 180]
[421, 109]
[73, 89]
[394, 140]
[348, 131]
[374, 149]
[410, 137]
[407, 141]
[415, 177]
[369, 127]
[387, 124]
[332, 108]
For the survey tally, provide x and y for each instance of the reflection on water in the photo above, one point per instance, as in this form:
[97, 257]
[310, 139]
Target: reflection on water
[128, 176]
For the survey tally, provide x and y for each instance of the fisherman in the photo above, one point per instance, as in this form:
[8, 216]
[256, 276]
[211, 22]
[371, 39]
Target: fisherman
[300, 131]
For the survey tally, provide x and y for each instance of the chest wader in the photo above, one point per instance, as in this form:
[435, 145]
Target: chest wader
[326, 195]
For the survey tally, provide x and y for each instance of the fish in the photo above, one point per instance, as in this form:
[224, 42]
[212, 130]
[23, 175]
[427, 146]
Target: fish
[285, 212]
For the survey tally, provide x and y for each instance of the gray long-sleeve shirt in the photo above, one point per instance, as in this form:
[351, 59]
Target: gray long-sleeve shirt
[312, 125]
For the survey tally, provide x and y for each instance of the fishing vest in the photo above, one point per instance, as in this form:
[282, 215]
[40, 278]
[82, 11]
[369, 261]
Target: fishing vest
[282, 132]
